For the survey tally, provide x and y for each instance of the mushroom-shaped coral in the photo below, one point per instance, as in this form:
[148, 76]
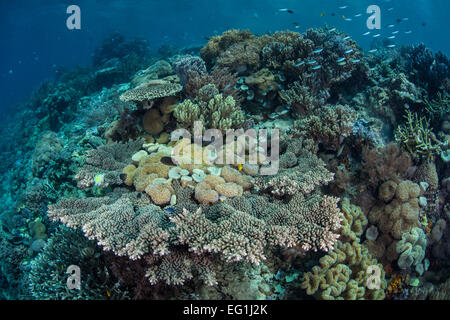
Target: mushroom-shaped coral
[159, 193]
[204, 194]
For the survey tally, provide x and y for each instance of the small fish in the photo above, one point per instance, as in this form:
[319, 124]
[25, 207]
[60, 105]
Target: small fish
[390, 9]
[348, 19]
[300, 64]
[343, 7]
[333, 29]
[99, 179]
[11, 72]
[348, 51]
[311, 62]
[358, 15]
[366, 34]
[108, 293]
[346, 38]
[391, 26]
[395, 32]
[169, 209]
[340, 59]
[286, 10]
[222, 198]
[391, 46]
[343, 63]
[316, 67]
[391, 37]
[373, 50]
[240, 166]
[356, 60]
[405, 19]
[408, 32]
[318, 50]
[167, 161]
[377, 35]
[322, 14]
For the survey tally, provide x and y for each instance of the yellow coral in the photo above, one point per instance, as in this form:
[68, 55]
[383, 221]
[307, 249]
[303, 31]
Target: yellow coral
[159, 193]
[229, 189]
[204, 194]
[129, 171]
[213, 180]
[343, 272]
[152, 122]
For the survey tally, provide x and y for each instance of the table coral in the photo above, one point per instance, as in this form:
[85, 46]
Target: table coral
[107, 159]
[308, 174]
[343, 273]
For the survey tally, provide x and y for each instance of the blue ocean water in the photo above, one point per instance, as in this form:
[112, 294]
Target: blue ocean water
[96, 203]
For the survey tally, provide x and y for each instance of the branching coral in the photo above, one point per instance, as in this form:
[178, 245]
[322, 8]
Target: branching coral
[245, 235]
[146, 93]
[309, 173]
[216, 45]
[115, 224]
[417, 137]
[108, 162]
[47, 149]
[343, 274]
[186, 66]
[387, 163]
[217, 113]
[328, 125]
[48, 278]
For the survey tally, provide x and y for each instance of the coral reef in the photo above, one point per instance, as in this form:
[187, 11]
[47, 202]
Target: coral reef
[98, 177]
[213, 110]
[343, 274]
[106, 163]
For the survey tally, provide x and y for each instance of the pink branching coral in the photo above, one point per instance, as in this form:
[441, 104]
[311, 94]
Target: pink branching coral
[108, 160]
